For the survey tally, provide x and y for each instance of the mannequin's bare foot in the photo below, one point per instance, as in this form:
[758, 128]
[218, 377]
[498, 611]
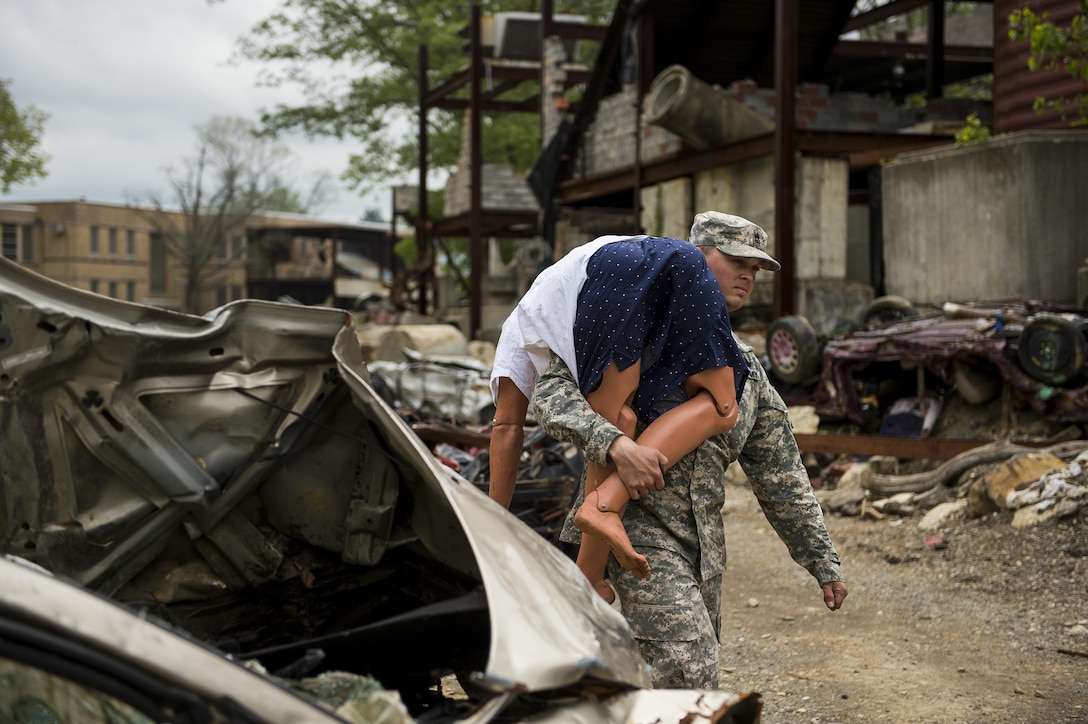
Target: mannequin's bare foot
[604, 590]
[609, 526]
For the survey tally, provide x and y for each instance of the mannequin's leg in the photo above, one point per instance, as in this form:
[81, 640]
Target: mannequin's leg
[686, 426]
[601, 520]
[610, 400]
[675, 434]
[720, 383]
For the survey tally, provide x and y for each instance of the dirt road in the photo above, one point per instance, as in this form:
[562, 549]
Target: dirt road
[967, 632]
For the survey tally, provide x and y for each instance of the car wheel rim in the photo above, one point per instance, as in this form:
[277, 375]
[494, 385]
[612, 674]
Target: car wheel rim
[785, 351]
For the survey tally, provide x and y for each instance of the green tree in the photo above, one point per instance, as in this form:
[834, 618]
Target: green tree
[232, 174]
[358, 60]
[1057, 48]
[20, 136]
[972, 133]
[285, 199]
[292, 201]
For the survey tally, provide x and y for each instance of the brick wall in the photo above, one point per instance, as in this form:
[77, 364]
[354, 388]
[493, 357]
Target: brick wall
[609, 141]
[502, 189]
[818, 110]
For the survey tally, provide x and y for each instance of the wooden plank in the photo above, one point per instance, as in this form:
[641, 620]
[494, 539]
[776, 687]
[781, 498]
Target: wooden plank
[930, 448]
[444, 432]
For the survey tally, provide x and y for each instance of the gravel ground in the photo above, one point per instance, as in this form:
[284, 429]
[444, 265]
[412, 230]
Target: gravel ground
[986, 628]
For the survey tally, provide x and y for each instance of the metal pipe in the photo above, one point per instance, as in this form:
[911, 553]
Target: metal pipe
[785, 52]
[422, 220]
[476, 197]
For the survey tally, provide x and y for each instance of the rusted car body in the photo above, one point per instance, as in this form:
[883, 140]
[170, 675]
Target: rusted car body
[1036, 348]
[236, 476]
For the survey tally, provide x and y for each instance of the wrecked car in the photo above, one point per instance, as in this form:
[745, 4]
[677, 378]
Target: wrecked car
[236, 477]
[69, 655]
[1038, 349]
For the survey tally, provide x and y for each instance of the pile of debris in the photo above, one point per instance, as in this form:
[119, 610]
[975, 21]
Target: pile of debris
[1036, 483]
[439, 383]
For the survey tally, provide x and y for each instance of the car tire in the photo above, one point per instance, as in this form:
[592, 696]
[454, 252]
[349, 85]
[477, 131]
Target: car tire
[888, 310]
[793, 349]
[1052, 349]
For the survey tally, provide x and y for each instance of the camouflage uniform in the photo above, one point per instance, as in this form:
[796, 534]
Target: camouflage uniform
[675, 612]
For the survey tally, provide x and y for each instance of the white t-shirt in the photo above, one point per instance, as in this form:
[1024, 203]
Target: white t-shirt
[543, 321]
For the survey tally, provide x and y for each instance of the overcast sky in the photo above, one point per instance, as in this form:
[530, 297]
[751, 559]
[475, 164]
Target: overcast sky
[125, 83]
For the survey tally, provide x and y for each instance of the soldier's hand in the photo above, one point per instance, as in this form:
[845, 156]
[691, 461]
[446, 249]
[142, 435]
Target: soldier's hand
[639, 467]
[834, 593]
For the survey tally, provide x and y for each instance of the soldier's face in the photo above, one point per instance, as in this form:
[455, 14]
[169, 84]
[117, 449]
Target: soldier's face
[735, 274]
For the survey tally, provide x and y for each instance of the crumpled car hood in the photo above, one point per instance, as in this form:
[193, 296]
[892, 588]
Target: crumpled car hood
[171, 460]
[539, 601]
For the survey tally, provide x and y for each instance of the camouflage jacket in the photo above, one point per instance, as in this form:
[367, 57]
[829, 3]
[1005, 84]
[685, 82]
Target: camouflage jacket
[686, 516]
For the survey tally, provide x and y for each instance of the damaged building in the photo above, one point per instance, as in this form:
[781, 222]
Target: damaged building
[853, 169]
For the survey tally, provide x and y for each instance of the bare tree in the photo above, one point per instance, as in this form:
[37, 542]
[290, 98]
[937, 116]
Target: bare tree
[232, 174]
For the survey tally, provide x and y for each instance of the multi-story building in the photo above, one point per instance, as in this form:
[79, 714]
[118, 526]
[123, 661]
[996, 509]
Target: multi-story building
[119, 251]
[112, 250]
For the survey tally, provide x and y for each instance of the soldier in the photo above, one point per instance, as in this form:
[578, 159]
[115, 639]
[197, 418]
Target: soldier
[674, 520]
[645, 315]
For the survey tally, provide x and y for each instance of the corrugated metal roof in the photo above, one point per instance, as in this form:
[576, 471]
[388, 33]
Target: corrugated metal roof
[722, 41]
[729, 40]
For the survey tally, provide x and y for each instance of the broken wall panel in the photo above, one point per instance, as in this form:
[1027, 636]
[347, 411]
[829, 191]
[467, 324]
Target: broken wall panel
[988, 221]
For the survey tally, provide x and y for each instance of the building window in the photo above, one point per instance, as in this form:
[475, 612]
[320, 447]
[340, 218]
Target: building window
[113, 290]
[220, 296]
[130, 291]
[112, 234]
[27, 252]
[10, 242]
[158, 263]
[130, 244]
[94, 286]
[17, 242]
[236, 246]
[236, 291]
[221, 248]
[94, 241]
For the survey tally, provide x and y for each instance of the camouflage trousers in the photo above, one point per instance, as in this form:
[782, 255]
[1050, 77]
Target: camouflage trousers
[675, 617]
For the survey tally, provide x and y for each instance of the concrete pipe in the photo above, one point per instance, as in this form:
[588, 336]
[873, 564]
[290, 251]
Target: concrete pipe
[388, 342]
[699, 113]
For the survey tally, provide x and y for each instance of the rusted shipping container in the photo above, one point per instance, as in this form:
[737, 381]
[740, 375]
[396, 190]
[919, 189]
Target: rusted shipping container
[1016, 86]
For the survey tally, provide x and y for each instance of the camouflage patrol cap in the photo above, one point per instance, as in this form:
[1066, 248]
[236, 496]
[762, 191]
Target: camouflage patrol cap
[732, 235]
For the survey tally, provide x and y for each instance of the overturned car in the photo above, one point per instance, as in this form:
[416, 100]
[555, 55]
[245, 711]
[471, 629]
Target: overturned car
[236, 476]
[1037, 349]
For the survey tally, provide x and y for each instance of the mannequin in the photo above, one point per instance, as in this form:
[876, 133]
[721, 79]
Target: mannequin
[711, 409]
